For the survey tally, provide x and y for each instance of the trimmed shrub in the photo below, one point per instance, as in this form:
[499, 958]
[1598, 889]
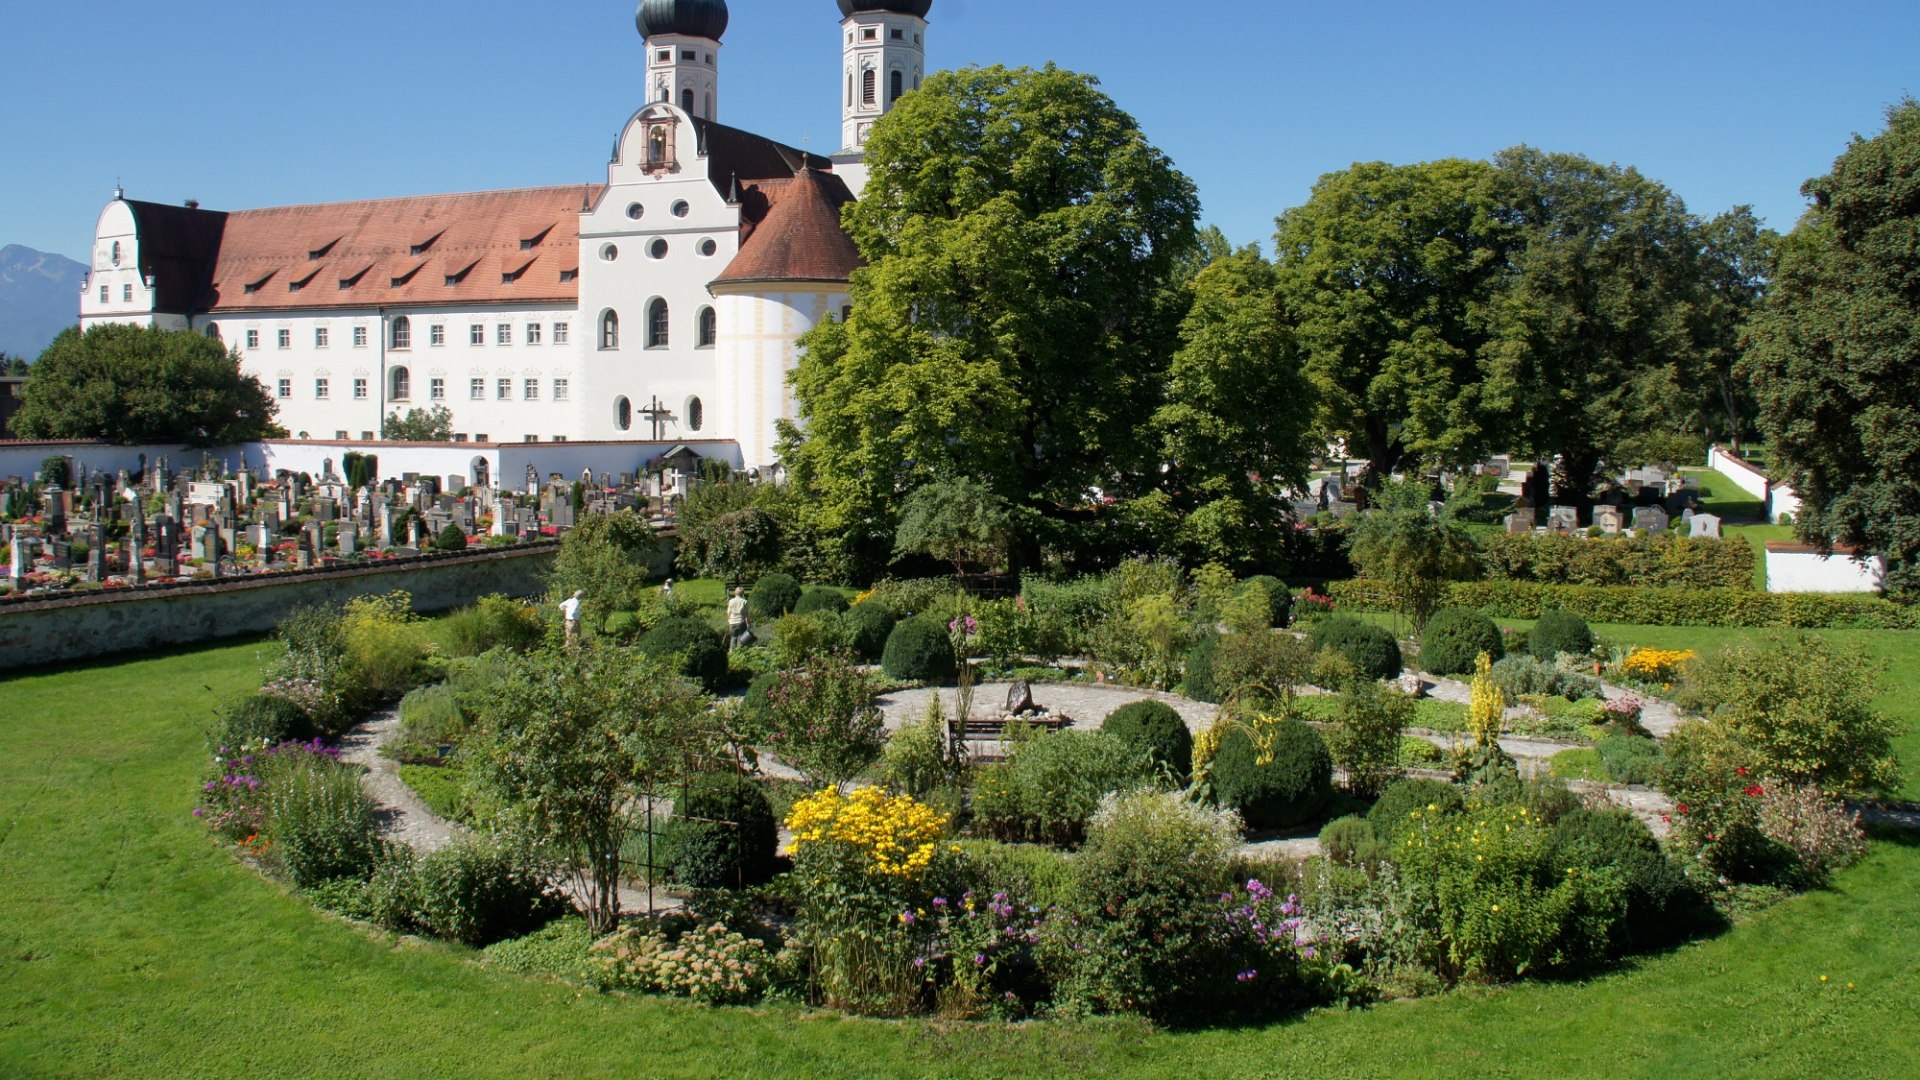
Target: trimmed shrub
[702, 656]
[262, 717]
[1665, 561]
[1521, 676]
[1349, 841]
[1051, 784]
[918, 650]
[867, 628]
[451, 538]
[1662, 905]
[722, 834]
[1656, 607]
[796, 638]
[477, 891]
[773, 596]
[1455, 638]
[1392, 811]
[1372, 650]
[1199, 683]
[1279, 597]
[1036, 874]
[1155, 731]
[1283, 779]
[756, 710]
[819, 598]
[1560, 632]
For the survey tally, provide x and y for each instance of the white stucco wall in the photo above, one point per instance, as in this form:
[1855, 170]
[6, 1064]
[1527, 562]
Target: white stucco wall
[759, 327]
[1792, 569]
[1744, 476]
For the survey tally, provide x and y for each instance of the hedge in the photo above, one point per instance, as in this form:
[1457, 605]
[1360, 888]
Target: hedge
[1653, 607]
[1664, 561]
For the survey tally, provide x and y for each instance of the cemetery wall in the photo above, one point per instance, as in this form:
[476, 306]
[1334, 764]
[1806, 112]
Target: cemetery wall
[23, 459]
[1784, 507]
[1744, 476]
[1799, 568]
[101, 623]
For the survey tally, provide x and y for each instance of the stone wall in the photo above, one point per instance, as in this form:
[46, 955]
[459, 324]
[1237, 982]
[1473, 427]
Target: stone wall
[101, 623]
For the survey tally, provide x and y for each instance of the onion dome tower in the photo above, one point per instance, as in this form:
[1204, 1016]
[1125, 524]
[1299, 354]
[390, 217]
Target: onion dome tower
[885, 45]
[683, 52]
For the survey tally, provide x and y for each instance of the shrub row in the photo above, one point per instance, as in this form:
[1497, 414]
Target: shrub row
[1653, 606]
[1664, 561]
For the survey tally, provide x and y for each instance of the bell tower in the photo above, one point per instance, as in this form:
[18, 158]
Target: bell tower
[683, 52]
[884, 42]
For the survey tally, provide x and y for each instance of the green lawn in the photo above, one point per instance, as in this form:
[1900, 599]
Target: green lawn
[1759, 536]
[1720, 497]
[130, 945]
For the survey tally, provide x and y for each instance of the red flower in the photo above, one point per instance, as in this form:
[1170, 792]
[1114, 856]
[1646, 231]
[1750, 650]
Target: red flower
[1756, 791]
[1742, 771]
[1682, 808]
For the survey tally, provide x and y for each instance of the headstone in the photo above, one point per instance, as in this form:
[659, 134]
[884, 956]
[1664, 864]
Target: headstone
[1650, 520]
[323, 510]
[533, 481]
[562, 516]
[456, 484]
[1611, 519]
[97, 554]
[262, 537]
[62, 555]
[20, 561]
[349, 538]
[1706, 525]
[1564, 519]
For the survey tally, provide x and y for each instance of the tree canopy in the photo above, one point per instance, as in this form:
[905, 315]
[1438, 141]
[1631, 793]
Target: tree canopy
[1835, 355]
[959, 521]
[419, 425]
[135, 385]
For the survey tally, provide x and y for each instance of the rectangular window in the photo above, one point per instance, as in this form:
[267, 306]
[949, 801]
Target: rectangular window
[359, 389]
[437, 334]
[476, 334]
[558, 438]
[477, 389]
[533, 333]
[285, 389]
[560, 389]
[359, 337]
[529, 438]
[320, 389]
[503, 390]
[253, 339]
[320, 335]
[459, 436]
[899, 35]
[126, 294]
[868, 33]
[503, 334]
[286, 339]
[103, 295]
[559, 333]
[483, 437]
[340, 436]
[366, 436]
[437, 389]
[531, 391]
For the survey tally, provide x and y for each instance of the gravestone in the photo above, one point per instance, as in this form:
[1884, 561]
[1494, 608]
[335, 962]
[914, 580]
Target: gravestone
[20, 559]
[1650, 520]
[562, 516]
[97, 554]
[62, 555]
[1519, 524]
[1706, 526]
[1564, 519]
[1611, 519]
[456, 484]
[349, 538]
[323, 510]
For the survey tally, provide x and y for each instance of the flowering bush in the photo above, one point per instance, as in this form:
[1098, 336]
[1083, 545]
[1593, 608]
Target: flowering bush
[1656, 667]
[823, 719]
[873, 832]
[708, 963]
[1621, 712]
[1823, 835]
[973, 952]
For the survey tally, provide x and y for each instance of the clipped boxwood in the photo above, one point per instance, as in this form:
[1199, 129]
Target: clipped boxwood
[1350, 841]
[1372, 650]
[918, 650]
[868, 626]
[722, 834]
[1199, 683]
[1389, 812]
[1279, 597]
[702, 655]
[773, 596]
[1157, 733]
[820, 598]
[1294, 786]
[1560, 632]
[1455, 638]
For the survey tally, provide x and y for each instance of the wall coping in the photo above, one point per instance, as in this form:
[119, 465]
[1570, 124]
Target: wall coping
[1785, 547]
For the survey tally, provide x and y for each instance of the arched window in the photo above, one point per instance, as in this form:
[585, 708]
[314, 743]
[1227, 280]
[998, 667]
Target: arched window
[849, 89]
[707, 329]
[399, 384]
[696, 414]
[623, 414]
[402, 333]
[686, 99]
[709, 112]
[610, 330]
[213, 331]
[657, 324]
[868, 86]
[899, 85]
[116, 253]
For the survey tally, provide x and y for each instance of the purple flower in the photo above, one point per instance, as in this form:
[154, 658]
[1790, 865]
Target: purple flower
[197, 812]
[979, 959]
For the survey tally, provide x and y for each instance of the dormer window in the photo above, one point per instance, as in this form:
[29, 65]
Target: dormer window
[423, 246]
[321, 252]
[534, 241]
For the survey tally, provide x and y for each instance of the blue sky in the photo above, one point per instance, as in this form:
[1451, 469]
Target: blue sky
[244, 104]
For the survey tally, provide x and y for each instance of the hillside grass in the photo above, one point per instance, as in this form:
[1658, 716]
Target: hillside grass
[134, 945]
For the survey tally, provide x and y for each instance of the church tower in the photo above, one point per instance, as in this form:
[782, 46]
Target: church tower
[683, 51]
[885, 46]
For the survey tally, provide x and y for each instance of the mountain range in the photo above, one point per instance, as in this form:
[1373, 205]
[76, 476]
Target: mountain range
[39, 297]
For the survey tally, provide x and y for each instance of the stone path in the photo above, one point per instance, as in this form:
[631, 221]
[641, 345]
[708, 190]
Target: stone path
[1088, 704]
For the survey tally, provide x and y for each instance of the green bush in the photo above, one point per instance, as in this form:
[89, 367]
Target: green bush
[495, 622]
[1156, 732]
[1075, 608]
[478, 890]
[1051, 784]
[721, 835]
[1560, 632]
[1284, 779]
[1522, 677]
[557, 950]
[922, 761]
[1665, 561]
[1391, 811]
[622, 626]
[919, 650]
[755, 709]
[820, 598]
[1656, 607]
[451, 538]
[1036, 874]
[1454, 639]
[1279, 597]
[322, 822]
[1199, 683]
[442, 787]
[1662, 905]
[867, 626]
[1349, 841]
[773, 596]
[1418, 753]
[702, 656]
[1580, 763]
[1364, 736]
[1630, 760]
[262, 717]
[799, 636]
[1371, 649]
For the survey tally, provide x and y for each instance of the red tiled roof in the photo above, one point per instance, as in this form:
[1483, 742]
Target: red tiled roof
[365, 247]
[790, 232]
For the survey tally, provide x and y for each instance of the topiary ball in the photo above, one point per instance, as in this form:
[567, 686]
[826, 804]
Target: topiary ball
[702, 656]
[722, 835]
[1293, 786]
[1390, 810]
[1349, 841]
[451, 538]
[918, 650]
[1279, 597]
[1663, 904]
[1156, 732]
[1199, 684]
[868, 625]
[773, 596]
[1560, 632]
[820, 598]
[1372, 650]
[1455, 638]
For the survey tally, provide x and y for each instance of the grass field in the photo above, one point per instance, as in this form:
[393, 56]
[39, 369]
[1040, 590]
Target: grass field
[131, 945]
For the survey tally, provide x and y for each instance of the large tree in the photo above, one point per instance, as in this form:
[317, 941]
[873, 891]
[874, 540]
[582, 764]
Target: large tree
[1016, 316]
[1835, 357]
[137, 385]
[1385, 271]
[1737, 260]
[419, 425]
[1593, 327]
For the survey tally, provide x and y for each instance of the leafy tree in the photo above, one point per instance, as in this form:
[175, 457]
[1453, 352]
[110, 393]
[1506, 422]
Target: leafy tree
[1014, 321]
[1386, 271]
[1594, 324]
[13, 365]
[1403, 544]
[572, 739]
[960, 521]
[419, 425]
[1835, 358]
[823, 719]
[1236, 424]
[1737, 259]
[606, 556]
[136, 385]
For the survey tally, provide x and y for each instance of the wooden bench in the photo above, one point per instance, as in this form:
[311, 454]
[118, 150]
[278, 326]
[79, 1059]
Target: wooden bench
[971, 730]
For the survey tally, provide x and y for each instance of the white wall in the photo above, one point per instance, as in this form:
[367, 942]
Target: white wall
[22, 459]
[127, 298]
[1784, 504]
[1744, 476]
[758, 333]
[1794, 568]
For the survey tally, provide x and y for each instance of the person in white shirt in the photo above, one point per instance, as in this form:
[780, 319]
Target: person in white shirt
[737, 632]
[570, 615]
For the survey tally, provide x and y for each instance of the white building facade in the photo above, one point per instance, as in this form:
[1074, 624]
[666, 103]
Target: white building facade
[663, 306]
